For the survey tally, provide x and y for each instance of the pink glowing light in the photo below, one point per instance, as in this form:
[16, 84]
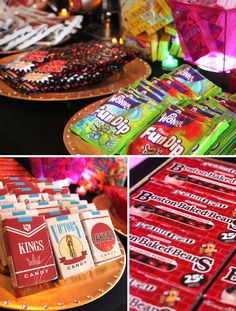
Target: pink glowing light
[217, 62]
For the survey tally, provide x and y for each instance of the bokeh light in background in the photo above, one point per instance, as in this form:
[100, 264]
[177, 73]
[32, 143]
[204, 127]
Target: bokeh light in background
[89, 174]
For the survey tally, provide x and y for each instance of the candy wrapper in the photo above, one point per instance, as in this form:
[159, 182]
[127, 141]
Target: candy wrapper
[153, 91]
[173, 133]
[116, 121]
[197, 83]
[175, 86]
[188, 262]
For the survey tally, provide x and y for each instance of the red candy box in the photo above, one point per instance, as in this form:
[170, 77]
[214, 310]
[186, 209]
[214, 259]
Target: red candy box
[202, 175]
[187, 209]
[29, 252]
[146, 292]
[180, 258]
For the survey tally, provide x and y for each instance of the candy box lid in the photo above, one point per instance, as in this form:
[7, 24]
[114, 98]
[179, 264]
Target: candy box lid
[4, 208]
[65, 197]
[223, 288]
[43, 204]
[188, 209]
[158, 293]
[25, 190]
[19, 184]
[3, 191]
[33, 197]
[14, 179]
[29, 251]
[217, 178]
[56, 190]
[8, 198]
[180, 258]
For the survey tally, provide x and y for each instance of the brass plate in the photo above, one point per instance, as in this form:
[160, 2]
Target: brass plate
[102, 202]
[75, 144]
[128, 74]
[89, 287]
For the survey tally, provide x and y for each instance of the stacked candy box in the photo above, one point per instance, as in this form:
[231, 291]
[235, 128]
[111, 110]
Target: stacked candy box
[56, 235]
[183, 231]
[180, 113]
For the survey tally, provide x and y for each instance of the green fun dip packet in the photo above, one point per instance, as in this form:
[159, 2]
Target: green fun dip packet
[116, 121]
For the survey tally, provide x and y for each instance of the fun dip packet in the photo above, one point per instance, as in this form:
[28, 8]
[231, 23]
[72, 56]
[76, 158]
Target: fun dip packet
[116, 121]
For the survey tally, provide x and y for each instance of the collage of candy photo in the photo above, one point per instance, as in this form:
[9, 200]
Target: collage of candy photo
[118, 155]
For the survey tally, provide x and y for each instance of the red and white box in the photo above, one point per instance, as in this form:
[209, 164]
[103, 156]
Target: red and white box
[30, 258]
[48, 185]
[181, 258]
[3, 191]
[186, 209]
[14, 179]
[70, 246]
[101, 236]
[53, 191]
[43, 205]
[223, 289]
[5, 208]
[50, 213]
[8, 215]
[82, 208]
[69, 204]
[33, 197]
[65, 197]
[150, 294]
[41, 179]
[25, 191]
[202, 175]
[8, 198]
[19, 184]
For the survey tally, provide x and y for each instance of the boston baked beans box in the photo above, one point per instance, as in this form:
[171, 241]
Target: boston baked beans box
[181, 258]
[202, 175]
[223, 290]
[188, 210]
[101, 236]
[29, 255]
[150, 294]
[70, 246]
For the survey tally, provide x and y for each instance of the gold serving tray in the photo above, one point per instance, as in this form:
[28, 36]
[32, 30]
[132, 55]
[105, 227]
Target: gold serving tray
[75, 144]
[126, 75]
[86, 288]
